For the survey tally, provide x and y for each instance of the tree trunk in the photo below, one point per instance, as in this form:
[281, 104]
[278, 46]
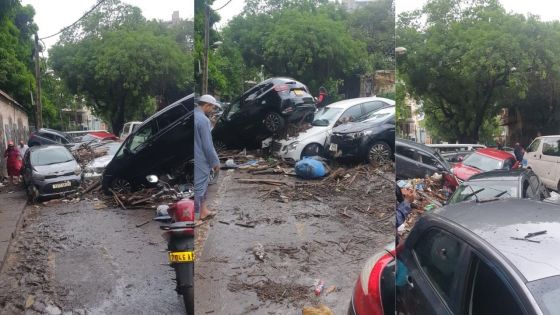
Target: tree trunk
[118, 120]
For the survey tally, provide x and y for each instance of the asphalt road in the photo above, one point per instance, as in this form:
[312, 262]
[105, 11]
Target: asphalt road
[79, 260]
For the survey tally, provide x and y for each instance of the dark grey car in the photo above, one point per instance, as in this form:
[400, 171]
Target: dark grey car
[415, 160]
[498, 257]
[50, 170]
[517, 183]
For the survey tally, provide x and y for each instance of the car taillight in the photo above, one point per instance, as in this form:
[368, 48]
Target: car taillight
[281, 88]
[367, 295]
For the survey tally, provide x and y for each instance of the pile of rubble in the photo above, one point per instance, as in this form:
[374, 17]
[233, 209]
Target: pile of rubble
[429, 193]
[85, 153]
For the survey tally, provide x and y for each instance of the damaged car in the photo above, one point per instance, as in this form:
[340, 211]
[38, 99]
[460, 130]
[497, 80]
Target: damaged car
[371, 140]
[162, 144]
[262, 111]
[312, 141]
[484, 160]
[96, 166]
[50, 170]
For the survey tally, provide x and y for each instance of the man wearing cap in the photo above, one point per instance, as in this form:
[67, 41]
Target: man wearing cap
[205, 156]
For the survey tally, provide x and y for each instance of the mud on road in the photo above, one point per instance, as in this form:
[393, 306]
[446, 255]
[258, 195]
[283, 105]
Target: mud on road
[74, 259]
[269, 244]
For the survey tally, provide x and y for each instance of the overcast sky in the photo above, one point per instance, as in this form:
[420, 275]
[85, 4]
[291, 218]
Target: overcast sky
[546, 9]
[52, 15]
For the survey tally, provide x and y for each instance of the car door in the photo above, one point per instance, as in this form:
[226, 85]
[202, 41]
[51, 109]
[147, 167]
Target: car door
[550, 160]
[489, 290]
[534, 189]
[431, 273]
[407, 162]
[533, 156]
[134, 158]
[27, 171]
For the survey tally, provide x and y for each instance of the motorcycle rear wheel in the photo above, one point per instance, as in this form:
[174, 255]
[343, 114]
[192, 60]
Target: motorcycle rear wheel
[188, 299]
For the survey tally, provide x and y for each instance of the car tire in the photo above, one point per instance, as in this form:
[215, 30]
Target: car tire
[312, 149]
[120, 185]
[32, 194]
[274, 122]
[379, 152]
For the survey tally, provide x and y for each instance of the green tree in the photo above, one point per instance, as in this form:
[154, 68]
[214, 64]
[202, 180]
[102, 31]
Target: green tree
[461, 62]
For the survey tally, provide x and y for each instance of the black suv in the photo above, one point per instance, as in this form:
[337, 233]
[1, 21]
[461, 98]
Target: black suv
[46, 136]
[163, 143]
[262, 111]
[372, 139]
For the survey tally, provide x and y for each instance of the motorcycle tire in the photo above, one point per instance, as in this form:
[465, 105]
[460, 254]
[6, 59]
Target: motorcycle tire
[188, 299]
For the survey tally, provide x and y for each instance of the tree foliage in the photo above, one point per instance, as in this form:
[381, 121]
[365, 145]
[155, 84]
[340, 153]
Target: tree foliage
[16, 50]
[462, 61]
[120, 62]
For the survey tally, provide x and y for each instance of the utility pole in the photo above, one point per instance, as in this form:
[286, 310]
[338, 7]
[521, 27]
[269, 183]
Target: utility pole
[38, 106]
[206, 43]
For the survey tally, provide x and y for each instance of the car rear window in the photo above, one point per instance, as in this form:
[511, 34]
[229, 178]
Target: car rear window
[547, 293]
[52, 155]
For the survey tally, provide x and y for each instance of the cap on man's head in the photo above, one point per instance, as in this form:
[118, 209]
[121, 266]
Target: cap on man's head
[208, 99]
[10, 143]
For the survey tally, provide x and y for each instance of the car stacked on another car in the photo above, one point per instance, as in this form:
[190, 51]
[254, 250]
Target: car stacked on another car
[312, 141]
[262, 111]
[484, 160]
[371, 140]
[50, 170]
[46, 136]
[163, 143]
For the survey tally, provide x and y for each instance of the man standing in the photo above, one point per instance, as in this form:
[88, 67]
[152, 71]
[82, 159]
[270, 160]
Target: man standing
[206, 158]
[22, 148]
[518, 151]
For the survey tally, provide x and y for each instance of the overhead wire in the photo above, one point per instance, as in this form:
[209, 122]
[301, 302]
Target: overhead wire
[223, 6]
[78, 20]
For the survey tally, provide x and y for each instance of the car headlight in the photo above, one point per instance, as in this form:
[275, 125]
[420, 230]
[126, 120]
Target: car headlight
[359, 134]
[292, 146]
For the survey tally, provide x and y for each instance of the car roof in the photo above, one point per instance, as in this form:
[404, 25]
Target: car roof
[551, 136]
[168, 107]
[46, 146]
[498, 221]
[495, 153]
[415, 145]
[353, 101]
[513, 174]
[48, 130]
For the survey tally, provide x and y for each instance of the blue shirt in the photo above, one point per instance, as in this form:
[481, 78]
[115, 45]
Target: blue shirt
[205, 156]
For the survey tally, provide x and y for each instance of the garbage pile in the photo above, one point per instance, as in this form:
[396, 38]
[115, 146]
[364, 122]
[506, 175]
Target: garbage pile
[85, 153]
[429, 194]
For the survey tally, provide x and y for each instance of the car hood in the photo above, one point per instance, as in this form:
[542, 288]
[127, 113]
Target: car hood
[355, 127]
[464, 172]
[311, 132]
[100, 161]
[56, 169]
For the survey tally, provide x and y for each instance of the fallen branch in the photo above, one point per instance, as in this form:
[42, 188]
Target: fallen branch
[92, 187]
[117, 199]
[262, 181]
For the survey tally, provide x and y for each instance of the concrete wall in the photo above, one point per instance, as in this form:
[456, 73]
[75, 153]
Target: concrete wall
[14, 125]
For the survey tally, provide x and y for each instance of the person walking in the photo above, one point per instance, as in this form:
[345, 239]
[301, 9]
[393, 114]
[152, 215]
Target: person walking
[13, 163]
[205, 155]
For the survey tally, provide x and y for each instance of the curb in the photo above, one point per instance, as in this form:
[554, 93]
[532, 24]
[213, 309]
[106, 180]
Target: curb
[13, 236]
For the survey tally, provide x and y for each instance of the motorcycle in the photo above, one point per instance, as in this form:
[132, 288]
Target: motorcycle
[178, 223]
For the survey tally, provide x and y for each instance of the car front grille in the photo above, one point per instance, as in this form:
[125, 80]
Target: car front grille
[276, 146]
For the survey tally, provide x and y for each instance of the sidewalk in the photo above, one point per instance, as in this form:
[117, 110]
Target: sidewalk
[11, 208]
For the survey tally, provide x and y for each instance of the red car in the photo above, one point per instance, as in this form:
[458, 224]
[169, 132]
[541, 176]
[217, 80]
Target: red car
[99, 136]
[484, 160]
[374, 293]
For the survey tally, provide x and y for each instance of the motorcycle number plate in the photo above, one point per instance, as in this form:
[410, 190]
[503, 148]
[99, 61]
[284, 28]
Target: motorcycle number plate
[180, 257]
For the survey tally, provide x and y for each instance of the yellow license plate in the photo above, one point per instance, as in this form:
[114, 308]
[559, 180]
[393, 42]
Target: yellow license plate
[298, 92]
[179, 257]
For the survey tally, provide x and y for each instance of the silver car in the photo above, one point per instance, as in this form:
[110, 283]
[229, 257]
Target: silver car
[50, 170]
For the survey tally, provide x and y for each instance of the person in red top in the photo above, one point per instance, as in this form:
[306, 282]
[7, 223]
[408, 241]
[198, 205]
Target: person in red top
[14, 162]
[322, 98]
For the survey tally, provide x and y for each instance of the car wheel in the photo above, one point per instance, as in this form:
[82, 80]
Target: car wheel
[274, 122]
[122, 186]
[379, 152]
[312, 149]
[32, 193]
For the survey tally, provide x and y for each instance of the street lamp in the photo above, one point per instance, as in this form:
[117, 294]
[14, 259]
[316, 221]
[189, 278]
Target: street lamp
[400, 50]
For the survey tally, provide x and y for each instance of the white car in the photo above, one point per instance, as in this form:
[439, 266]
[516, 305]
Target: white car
[128, 128]
[312, 141]
[543, 157]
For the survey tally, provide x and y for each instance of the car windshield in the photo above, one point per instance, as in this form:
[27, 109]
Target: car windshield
[483, 162]
[52, 155]
[484, 191]
[326, 116]
[547, 293]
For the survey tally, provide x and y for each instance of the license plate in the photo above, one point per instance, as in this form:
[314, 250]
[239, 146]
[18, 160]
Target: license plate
[61, 185]
[180, 257]
[298, 92]
[333, 147]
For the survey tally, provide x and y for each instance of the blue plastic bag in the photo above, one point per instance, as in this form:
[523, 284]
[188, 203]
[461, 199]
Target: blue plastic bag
[309, 168]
